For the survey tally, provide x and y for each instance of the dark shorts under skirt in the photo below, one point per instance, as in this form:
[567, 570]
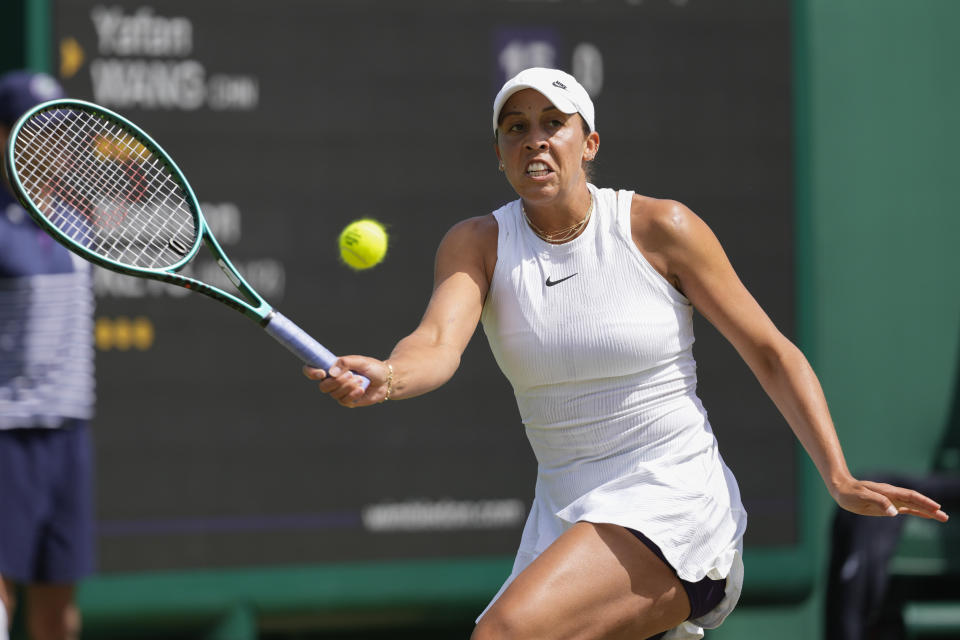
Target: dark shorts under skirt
[704, 594]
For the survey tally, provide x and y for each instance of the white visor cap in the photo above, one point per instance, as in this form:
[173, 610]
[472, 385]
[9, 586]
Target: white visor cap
[559, 87]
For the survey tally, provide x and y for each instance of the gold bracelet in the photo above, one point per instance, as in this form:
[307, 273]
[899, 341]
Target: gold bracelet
[389, 380]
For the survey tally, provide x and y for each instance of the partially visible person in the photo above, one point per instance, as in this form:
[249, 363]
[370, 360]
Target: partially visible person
[46, 402]
[587, 297]
[4, 635]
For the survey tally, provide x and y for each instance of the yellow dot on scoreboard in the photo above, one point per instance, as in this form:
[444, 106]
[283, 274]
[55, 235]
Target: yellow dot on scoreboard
[142, 332]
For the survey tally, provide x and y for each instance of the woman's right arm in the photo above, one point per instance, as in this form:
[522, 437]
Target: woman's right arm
[429, 356]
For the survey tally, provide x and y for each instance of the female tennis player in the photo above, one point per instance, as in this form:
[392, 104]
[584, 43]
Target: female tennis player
[586, 296]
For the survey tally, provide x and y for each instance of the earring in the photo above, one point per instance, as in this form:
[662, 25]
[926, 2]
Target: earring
[501, 165]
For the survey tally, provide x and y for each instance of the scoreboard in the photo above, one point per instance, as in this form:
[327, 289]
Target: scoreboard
[292, 118]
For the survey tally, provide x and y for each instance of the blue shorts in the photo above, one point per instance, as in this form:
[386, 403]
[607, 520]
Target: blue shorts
[46, 504]
[704, 595]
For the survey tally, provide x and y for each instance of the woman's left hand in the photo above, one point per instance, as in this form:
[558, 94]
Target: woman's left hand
[880, 499]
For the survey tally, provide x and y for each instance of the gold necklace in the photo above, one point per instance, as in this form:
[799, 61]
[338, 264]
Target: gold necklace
[562, 235]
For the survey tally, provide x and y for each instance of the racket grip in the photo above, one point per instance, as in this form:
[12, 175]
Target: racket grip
[302, 344]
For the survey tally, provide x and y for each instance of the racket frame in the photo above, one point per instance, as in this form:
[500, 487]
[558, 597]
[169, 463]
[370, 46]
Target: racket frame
[254, 307]
[282, 329]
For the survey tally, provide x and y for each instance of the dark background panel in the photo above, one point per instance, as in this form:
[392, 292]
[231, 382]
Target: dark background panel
[212, 449]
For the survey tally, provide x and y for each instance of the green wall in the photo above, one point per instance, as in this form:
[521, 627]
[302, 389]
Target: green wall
[878, 128]
[883, 101]
[11, 37]
[25, 34]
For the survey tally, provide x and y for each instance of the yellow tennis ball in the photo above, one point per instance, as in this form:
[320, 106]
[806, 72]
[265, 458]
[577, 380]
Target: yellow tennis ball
[363, 243]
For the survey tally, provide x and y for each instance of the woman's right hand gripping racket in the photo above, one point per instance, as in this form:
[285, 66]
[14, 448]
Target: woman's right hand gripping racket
[104, 189]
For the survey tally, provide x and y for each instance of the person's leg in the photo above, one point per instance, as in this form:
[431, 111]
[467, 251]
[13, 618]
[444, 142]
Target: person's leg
[597, 581]
[22, 503]
[704, 595]
[51, 612]
[65, 550]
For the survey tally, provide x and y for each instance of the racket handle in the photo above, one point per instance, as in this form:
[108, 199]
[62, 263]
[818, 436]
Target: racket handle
[302, 344]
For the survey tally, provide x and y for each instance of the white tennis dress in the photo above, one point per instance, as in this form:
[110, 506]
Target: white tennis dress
[598, 348]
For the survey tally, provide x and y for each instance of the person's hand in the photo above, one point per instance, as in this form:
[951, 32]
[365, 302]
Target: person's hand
[344, 387]
[880, 499]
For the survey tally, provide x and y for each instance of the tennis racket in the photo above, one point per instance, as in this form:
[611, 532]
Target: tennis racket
[104, 189]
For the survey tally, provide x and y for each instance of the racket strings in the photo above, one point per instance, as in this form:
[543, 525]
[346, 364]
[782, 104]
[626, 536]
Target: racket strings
[120, 187]
[63, 183]
[97, 183]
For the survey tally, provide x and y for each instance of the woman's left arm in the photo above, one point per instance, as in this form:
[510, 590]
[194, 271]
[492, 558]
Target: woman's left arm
[688, 253]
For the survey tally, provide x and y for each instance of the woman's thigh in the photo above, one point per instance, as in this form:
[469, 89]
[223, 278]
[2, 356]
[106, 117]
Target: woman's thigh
[595, 581]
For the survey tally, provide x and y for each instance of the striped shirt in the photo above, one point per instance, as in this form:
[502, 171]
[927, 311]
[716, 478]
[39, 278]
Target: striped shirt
[46, 327]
